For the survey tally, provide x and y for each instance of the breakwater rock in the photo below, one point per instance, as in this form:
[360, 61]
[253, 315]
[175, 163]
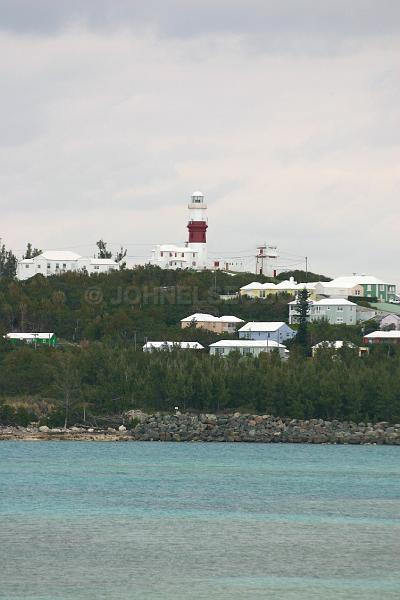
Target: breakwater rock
[138, 426]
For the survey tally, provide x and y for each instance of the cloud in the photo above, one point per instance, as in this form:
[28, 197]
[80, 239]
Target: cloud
[184, 19]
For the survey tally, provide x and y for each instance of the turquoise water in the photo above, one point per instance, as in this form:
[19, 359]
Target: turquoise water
[181, 521]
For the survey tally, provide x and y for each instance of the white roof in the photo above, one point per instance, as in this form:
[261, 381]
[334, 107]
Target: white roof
[308, 286]
[230, 319]
[173, 248]
[205, 317]
[197, 193]
[59, 255]
[394, 334]
[103, 261]
[162, 345]
[288, 284]
[334, 302]
[351, 281]
[262, 326]
[335, 345]
[247, 344]
[29, 336]
[256, 285]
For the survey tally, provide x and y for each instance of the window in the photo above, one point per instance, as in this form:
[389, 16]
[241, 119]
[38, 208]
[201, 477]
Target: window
[162, 253]
[64, 265]
[183, 255]
[96, 267]
[57, 266]
[170, 254]
[339, 320]
[48, 265]
[340, 309]
[193, 264]
[39, 266]
[26, 266]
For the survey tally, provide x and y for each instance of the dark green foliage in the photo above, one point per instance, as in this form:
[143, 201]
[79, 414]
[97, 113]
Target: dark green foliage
[8, 262]
[302, 276]
[303, 311]
[103, 252]
[31, 252]
[105, 375]
[113, 380]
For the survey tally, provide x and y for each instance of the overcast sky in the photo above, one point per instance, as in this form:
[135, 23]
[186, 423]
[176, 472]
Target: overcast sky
[286, 114]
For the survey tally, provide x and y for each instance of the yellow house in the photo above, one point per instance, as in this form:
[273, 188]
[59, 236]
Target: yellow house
[258, 290]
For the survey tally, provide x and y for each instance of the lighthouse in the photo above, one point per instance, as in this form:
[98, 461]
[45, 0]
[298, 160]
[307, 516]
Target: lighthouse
[197, 227]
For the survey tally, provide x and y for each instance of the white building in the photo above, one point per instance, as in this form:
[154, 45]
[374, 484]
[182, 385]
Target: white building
[248, 347]
[154, 346]
[277, 331]
[193, 254]
[56, 262]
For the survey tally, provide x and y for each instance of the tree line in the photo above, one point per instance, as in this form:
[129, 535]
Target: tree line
[70, 386]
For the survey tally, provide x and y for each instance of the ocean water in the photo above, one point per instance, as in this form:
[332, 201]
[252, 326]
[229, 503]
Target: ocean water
[176, 521]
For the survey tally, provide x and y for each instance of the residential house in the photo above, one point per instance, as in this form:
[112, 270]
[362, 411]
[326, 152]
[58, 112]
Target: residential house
[224, 324]
[156, 346]
[383, 337]
[34, 339]
[248, 347]
[289, 286]
[56, 262]
[276, 331]
[334, 346]
[258, 290]
[390, 321]
[336, 311]
[365, 286]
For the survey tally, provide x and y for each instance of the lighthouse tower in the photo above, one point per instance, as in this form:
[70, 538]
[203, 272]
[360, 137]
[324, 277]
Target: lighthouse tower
[197, 227]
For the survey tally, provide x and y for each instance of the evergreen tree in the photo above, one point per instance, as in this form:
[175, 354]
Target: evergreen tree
[8, 262]
[303, 311]
[31, 252]
[119, 256]
[103, 252]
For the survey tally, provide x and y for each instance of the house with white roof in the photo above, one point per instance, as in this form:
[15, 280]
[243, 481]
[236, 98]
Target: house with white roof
[224, 324]
[334, 346]
[35, 339]
[258, 290]
[289, 286]
[337, 311]
[248, 347]
[170, 256]
[159, 346]
[56, 262]
[382, 337]
[277, 331]
[365, 286]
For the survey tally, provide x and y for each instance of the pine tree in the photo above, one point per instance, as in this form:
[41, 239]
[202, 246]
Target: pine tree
[103, 252]
[31, 252]
[303, 311]
[8, 262]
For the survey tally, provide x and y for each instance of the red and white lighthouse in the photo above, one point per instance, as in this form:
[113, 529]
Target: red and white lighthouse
[197, 227]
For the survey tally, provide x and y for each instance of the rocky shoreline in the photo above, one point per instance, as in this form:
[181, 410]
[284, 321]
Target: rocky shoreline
[138, 426]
